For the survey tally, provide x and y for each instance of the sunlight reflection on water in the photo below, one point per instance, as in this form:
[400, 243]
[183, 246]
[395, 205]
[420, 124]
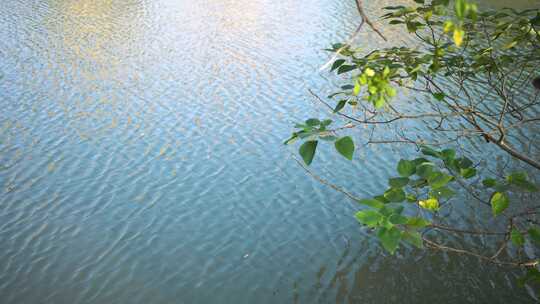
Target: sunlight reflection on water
[142, 161]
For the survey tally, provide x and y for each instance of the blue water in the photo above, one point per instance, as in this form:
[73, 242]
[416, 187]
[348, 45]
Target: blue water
[141, 161]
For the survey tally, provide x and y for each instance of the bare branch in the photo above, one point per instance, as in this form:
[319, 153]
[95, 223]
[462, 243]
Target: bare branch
[364, 19]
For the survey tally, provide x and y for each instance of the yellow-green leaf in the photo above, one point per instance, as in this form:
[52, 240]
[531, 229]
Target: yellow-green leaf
[369, 72]
[431, 204]
[448, 26]
[499, 202]
[458, 36]
[356, 89]
[370, 218]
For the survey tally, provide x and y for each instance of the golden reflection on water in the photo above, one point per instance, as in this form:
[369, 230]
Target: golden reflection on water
[87, 29]
[90, 40]
[98, 46]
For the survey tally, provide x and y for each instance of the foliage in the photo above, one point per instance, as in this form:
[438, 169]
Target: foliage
[461, 49]
[430, 182]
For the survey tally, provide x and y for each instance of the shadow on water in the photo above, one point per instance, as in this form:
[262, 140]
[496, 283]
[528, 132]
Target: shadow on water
[414, 277]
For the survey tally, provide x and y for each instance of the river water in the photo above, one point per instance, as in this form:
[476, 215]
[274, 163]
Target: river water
[141, 161]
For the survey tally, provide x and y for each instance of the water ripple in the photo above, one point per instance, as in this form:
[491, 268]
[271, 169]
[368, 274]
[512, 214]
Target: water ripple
[141, 161]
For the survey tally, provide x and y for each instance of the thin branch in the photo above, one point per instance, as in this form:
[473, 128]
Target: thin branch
[465, 231]
[360, 8]
[325, 182]
[364, 19]
[434, 245]
[369, 119]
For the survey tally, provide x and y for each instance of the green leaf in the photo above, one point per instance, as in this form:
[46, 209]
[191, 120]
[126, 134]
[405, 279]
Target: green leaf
[372, 88]
[468, 172]
[362, 79]
[533, 275]
[419, 160]
[411, 27]
[379, 103]
[520, 179]
[502, 187]
[431, 152]
[398, 182]
[398, 219]
[534, 234]
[489, 182]
[340, 105]
[346, 68]
[442, 192]
[460, 8]
[345, 146]
[304, 134]
[418, 183]
[425, 169]
[374, 203]
[452, 164]
[472, 9]
[517, 237]
[536, 19]
[499, 202]
[389, 238]
[291, 139]
[381, 199]
[395, 195]
[439, 96]
[411, 198]
[356, 89]
[418, 222]
[464, 162]
[370, 218]
[448, 154]
[438, 180]
[406, 168]
[390, 91]
[307, 151]
[414, 238]
[337, 64]
[337, 46]
[388, 211]
[326, 122]
[448, 26]
[313, 122]
[386, 71]
[431, 204]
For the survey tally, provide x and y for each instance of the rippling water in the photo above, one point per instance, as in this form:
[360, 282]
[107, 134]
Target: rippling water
[141, 161]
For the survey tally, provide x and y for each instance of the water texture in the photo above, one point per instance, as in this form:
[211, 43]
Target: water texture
[141, 161]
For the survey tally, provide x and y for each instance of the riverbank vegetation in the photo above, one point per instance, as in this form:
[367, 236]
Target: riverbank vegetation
[475, 76]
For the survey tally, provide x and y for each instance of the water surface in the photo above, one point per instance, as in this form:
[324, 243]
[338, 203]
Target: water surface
[141, 161]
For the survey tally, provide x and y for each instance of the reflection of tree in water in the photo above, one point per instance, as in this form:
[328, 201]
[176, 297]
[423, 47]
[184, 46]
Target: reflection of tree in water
[363, 275]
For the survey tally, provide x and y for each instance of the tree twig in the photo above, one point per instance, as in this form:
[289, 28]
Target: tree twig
[364, 19]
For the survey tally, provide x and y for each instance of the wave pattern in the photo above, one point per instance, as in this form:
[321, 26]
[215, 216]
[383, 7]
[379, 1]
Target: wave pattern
[141, 161]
